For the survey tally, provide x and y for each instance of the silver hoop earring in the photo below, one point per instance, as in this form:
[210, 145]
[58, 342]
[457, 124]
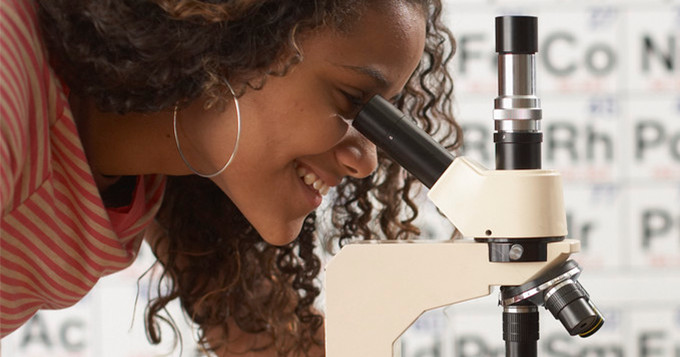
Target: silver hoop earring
[233, 153]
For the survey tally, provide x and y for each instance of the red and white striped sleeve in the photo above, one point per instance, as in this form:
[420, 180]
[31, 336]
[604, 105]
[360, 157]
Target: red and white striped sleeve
[16, 72]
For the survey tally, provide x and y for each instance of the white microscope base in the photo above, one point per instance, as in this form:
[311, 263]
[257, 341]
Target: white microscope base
[375, 291]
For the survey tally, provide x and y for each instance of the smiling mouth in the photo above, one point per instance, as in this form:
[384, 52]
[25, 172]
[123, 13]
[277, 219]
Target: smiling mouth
[313, 181]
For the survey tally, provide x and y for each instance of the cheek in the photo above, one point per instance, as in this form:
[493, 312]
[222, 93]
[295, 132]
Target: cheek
[293, 122]
[330, 128]
[306, 131]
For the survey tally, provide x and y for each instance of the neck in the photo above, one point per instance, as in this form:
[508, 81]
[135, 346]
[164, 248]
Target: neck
[128, 144]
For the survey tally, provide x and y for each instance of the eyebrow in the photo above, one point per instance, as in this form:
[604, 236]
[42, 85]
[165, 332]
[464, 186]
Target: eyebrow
[375, 74]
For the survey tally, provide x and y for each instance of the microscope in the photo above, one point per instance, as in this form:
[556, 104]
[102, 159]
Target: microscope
[513, 216]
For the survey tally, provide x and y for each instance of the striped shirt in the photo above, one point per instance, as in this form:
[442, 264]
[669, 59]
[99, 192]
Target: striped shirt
[56, 237]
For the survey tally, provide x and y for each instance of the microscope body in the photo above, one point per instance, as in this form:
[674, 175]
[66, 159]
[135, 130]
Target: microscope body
[376, 290]
[515, 215]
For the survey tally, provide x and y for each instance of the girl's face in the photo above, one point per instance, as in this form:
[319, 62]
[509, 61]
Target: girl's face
[295, 141]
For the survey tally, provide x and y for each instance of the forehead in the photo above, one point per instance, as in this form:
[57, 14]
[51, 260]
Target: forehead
[386, 41]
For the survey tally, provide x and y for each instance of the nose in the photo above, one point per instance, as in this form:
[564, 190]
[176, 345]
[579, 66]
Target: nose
[357, 155]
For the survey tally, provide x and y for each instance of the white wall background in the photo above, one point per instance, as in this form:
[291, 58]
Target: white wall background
[609, 80]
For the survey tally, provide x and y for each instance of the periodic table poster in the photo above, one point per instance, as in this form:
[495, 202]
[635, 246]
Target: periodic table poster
[608, 76]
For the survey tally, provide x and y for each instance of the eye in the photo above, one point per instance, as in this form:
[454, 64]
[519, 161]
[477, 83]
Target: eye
[354, 103]
[354, 100]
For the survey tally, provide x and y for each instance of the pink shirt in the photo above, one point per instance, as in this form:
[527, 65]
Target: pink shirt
[56, 237]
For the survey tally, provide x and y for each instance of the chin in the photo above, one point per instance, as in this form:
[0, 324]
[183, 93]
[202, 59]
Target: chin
[281, 235]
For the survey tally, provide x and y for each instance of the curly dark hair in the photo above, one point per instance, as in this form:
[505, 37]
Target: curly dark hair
[132, 55]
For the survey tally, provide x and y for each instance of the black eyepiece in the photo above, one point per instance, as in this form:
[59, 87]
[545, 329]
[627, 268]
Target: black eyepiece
[517, 34]
[398, 135]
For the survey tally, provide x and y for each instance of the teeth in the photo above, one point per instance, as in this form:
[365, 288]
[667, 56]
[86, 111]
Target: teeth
[324, 190]
[312, 180]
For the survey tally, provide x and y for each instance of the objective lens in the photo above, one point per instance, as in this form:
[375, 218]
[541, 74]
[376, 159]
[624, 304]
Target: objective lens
[570, 303]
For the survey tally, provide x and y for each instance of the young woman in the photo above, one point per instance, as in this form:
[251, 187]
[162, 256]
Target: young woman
[235, 117]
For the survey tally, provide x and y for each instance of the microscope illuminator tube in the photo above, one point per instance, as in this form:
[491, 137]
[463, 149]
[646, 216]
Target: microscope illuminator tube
[520, 329]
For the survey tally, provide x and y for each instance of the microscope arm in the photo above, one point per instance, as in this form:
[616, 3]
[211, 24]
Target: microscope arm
[375, 291]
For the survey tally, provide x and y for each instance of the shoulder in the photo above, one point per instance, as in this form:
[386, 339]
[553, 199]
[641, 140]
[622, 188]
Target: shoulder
[26, 93]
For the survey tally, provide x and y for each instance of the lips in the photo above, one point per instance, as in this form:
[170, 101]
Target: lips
[312, 180]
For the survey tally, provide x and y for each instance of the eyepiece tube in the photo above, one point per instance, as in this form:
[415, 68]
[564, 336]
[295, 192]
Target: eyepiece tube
[517, 111]
[407, 144]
